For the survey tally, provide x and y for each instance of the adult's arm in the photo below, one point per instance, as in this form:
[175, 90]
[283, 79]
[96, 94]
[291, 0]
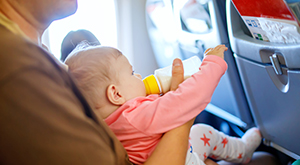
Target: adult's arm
[173, 146]
[42, 122]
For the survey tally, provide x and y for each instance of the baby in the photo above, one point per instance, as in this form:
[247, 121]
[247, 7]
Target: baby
[118, 95]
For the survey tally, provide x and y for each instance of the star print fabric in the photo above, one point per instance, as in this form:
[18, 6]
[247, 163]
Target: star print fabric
[192, 158]
[208, 142]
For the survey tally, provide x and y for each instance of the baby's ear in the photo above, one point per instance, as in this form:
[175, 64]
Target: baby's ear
[114, 96]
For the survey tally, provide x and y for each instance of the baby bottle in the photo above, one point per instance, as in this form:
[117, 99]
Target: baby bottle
[160, 81]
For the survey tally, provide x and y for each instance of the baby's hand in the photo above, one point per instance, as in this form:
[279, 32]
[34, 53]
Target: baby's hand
[218, 51]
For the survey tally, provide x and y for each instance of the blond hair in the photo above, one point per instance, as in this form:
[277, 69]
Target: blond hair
[91, 66]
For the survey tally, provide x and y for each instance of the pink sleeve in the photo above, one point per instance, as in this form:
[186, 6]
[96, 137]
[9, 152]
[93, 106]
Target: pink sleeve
[177, 107]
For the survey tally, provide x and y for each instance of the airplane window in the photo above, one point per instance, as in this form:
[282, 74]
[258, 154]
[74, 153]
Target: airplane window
[162, 19]
[195, 17]
[97, 16]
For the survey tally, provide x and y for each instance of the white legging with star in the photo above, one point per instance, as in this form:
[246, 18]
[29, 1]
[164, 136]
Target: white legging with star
[208, 142]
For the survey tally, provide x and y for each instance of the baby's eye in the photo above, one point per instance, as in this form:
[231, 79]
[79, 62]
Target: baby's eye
[132, 72]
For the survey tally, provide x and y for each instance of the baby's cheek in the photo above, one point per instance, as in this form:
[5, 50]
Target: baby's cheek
[143, 89]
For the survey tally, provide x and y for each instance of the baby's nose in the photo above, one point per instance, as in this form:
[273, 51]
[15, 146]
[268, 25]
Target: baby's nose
[138, 75]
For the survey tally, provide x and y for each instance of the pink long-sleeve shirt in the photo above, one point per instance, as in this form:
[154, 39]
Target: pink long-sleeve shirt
[140, 123]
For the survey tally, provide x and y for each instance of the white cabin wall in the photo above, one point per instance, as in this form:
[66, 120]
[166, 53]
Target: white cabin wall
[133, 38]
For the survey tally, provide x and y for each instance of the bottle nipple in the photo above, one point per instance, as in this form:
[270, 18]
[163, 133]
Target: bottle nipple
[151, 85]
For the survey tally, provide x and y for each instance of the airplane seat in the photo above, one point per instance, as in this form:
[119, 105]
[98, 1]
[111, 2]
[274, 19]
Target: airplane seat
[184, 28]
[270, 74]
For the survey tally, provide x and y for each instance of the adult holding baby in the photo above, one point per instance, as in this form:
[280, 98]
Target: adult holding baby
[44, 118]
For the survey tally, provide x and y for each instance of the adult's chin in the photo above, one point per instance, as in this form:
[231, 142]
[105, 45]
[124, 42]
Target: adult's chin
[65, 9]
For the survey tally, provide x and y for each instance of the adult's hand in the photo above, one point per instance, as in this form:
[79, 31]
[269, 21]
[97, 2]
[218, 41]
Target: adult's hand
[173, 146]
[177, 74]
[178, 78]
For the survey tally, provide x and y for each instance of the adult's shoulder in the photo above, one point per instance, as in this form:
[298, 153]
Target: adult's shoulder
[45, 118]
[18, 53]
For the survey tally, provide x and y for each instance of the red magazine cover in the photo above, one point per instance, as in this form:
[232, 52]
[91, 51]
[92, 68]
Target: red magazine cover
[269, 20]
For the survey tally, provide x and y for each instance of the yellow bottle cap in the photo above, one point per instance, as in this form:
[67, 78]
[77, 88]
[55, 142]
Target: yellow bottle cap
[151, 85]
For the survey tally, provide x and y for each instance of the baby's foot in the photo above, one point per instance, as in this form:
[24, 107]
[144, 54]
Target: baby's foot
[252, 138]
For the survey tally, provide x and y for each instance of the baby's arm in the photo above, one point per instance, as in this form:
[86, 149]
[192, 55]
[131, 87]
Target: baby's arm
[217, 51]
[192, 96]
[177, 67]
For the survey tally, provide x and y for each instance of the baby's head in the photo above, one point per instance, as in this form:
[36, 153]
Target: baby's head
[105, 77]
